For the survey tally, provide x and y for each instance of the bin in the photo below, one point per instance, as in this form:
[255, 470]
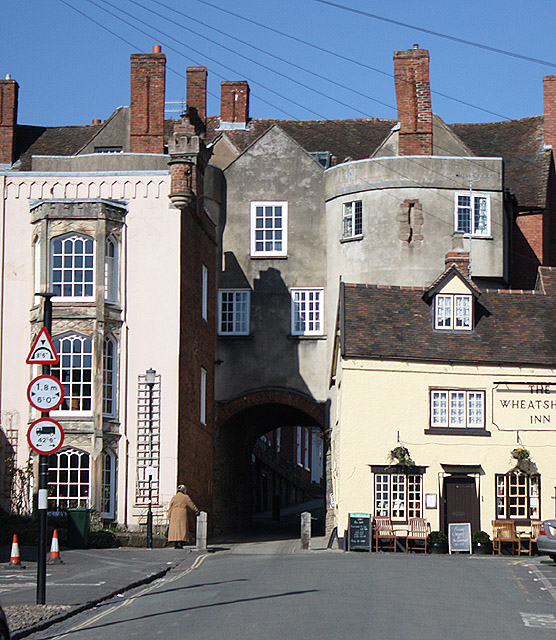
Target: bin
[79, 524]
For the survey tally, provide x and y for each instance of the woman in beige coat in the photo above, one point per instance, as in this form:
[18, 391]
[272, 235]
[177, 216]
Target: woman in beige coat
[178, 531]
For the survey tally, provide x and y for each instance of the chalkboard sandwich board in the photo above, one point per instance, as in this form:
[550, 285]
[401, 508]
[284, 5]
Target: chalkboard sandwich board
[359, 532]
[459, 537]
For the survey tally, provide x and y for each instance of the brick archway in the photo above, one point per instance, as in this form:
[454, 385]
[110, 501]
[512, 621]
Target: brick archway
[259, 397]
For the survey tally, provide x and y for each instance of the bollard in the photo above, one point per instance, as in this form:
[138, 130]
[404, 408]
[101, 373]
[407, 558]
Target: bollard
[202, 531]
[306, 530]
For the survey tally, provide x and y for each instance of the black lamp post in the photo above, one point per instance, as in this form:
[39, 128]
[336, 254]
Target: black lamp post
[150, 377]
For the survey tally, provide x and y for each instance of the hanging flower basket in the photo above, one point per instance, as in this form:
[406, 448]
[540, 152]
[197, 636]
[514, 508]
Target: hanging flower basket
[400, 455]
[524, 462]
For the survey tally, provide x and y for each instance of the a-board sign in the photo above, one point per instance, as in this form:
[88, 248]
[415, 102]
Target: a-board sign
[459, 537]
[45, 436]
[359, 531]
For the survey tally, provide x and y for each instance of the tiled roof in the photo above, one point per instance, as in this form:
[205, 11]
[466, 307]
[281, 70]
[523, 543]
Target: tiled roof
[521, 144]
[396, 323]
[355, 139]
[50, 141]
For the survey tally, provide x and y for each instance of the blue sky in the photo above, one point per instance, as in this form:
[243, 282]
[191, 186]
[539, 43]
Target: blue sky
[71, 70]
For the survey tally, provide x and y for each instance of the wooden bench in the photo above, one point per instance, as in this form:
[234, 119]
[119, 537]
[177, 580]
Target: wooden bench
[503, 531]
[384, 531]
[419, 530]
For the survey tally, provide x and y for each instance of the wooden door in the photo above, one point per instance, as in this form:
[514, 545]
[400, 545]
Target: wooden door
[461, 502]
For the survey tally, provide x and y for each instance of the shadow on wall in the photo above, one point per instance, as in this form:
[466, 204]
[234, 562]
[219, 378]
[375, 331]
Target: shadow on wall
[269, 355]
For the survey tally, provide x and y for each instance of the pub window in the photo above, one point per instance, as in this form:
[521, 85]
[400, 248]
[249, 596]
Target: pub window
[398, 496]
[518, 496]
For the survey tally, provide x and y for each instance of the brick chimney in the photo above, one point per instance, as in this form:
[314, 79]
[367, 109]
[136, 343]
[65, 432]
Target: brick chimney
[197, 92]
[148, 83]
[549, 83]
[411, 75]
[234, 105]
[460, 259]
[9, 90]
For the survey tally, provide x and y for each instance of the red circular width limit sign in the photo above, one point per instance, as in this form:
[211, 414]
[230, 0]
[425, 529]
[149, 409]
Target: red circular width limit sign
[45, 436]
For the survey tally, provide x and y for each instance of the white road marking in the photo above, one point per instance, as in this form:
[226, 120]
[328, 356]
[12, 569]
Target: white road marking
[198, 561]
[539, 620]
[548, 586]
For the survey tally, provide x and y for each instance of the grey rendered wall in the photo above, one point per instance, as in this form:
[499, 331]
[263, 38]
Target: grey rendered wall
[275, 168]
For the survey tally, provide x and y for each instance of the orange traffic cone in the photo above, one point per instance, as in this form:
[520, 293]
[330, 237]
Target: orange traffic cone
[15, 560]
[54, 557]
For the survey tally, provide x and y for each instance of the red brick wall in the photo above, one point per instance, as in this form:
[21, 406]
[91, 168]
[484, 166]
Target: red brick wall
[9, 90]
[197, 90]
[460, 259]
[148, 86]
[234, 104]
[411, 75]
[197, 349]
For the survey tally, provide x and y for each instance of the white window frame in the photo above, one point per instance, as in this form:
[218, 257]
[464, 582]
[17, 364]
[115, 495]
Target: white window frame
[307, 311]
[237, 304]
[111, 270]
[479, 225]
[453, 312]
[457, 408]
[518, 496]
[65, 268]
[352, 219]
[109, 376]
[398, 496]
[78, 483]
[204, 292]
[203, 397]
[66, 369]
[298, 445]
[266, 226]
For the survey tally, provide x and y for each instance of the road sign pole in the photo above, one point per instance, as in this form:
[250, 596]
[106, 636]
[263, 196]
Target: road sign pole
[43, 477]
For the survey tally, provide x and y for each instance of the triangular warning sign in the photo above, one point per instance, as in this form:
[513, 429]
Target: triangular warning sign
[43, 351]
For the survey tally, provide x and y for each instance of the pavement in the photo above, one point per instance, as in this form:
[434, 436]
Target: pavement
[87, 577]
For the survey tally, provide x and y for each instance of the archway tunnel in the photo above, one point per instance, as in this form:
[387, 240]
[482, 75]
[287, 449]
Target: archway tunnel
[263, 474]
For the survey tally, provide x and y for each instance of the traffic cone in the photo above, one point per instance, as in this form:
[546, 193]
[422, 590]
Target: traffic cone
[54, 557]
[15, 559]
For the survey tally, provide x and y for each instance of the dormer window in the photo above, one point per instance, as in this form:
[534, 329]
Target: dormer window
[453, 312]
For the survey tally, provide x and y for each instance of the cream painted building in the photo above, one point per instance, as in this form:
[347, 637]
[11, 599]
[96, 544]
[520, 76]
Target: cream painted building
[461, 379]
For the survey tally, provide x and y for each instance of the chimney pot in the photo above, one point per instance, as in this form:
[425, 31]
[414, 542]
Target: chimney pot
[157, 48]
[96, 121]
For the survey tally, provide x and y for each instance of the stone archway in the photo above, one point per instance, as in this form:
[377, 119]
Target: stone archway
[239, 422]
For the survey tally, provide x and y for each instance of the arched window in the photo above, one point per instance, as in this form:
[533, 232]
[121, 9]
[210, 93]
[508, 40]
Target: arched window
[107, 507]
[69, 478]
[109, 377]
[72, 266]
[75, 372]
[111, 271]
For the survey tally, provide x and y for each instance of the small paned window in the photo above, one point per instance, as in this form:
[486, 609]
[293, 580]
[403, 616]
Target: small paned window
[75, 372]
[306, 312]
[269, 229]
[204, 292]
[352, 219]
[72, 267]
[111, 271]
[453, 312]
[109, 377]
[203, 413]
[458, 408]
[108, 485]
[69, 477]
[472, 214]
[233, 312]
[398, 496]
[518, 496]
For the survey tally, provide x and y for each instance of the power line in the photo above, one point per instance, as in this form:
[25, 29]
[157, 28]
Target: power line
[446, 36]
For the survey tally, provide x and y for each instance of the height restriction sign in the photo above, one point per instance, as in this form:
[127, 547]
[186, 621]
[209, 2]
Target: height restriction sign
[45, 393]
[43, 351]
